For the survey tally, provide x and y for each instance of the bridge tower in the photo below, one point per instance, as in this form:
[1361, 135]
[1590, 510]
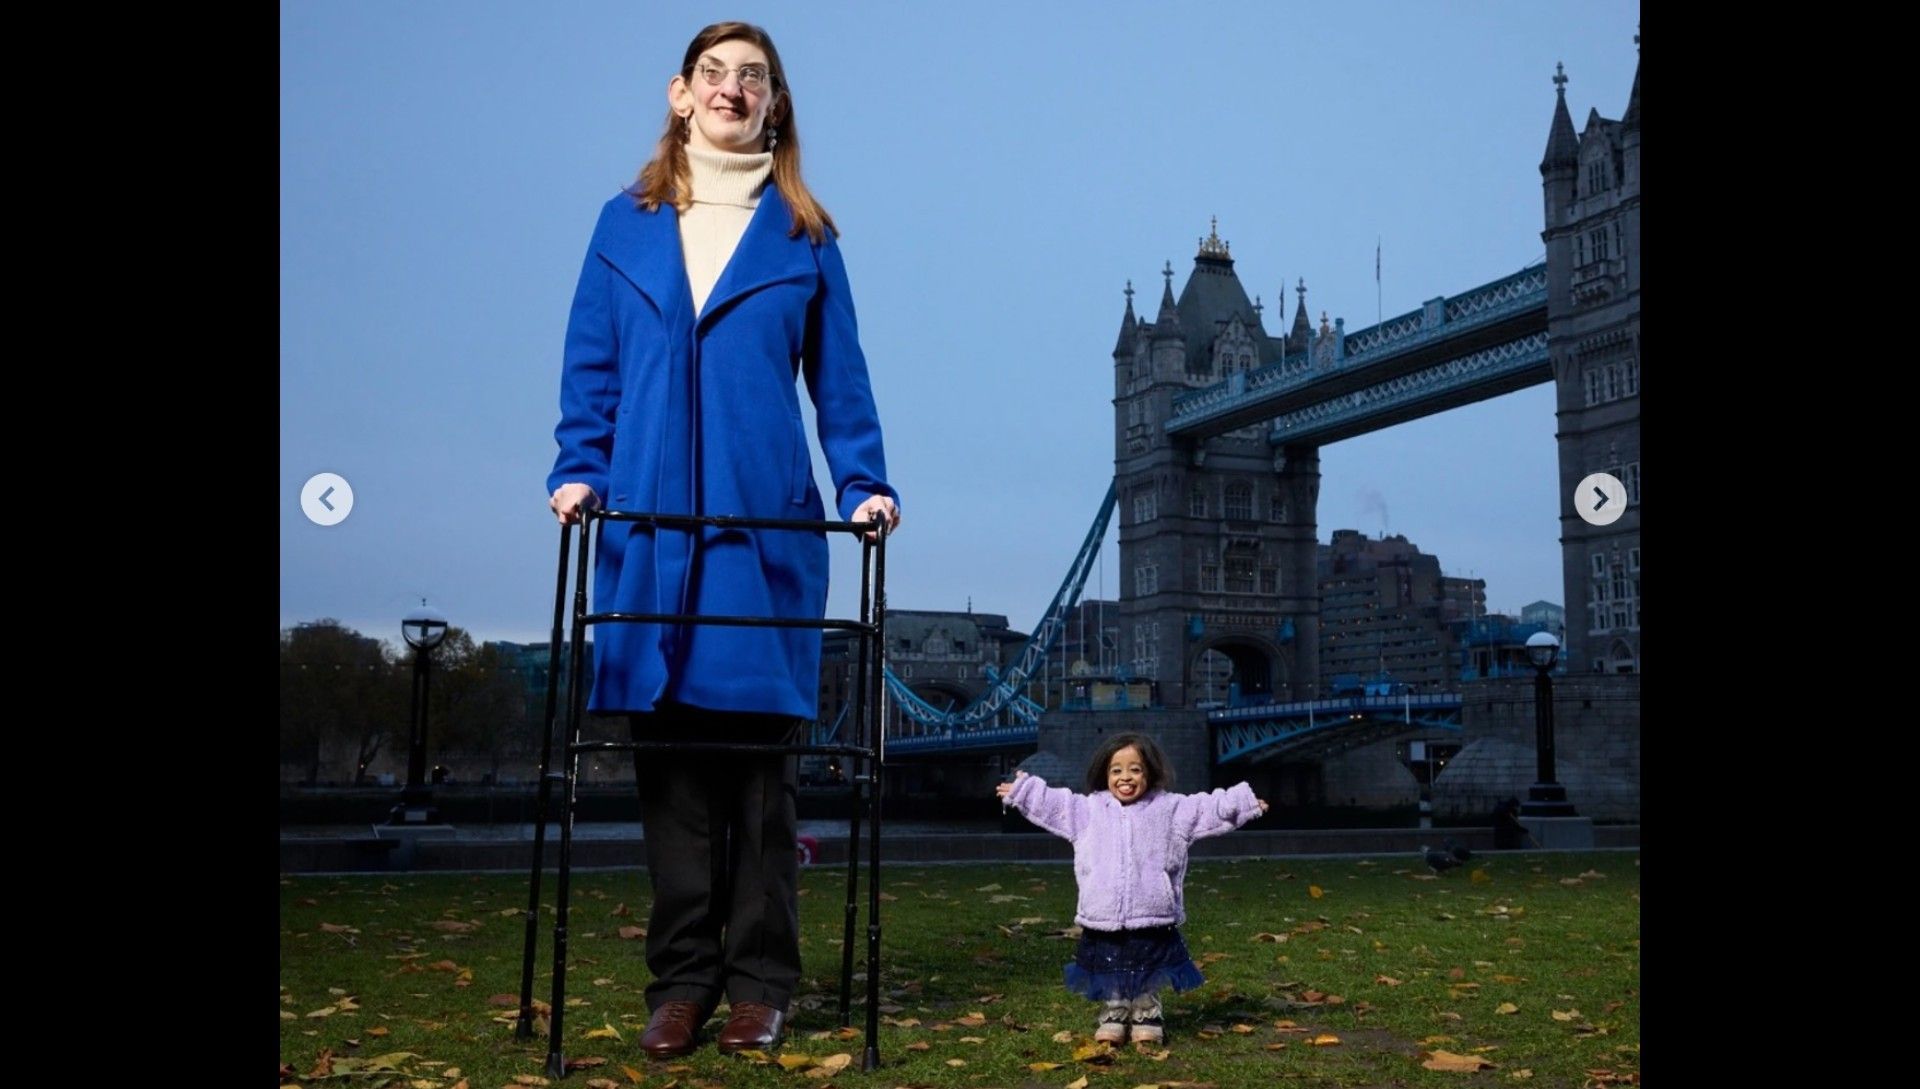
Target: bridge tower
[1592, 188]
[1217, 536]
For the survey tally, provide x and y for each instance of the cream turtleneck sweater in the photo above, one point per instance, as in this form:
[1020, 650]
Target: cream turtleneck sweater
[726, 190]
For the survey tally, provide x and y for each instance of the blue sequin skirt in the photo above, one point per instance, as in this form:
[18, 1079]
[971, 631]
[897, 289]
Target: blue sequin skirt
[1115, 964]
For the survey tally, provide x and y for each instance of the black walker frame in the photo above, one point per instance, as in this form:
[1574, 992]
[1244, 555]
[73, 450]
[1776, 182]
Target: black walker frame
[865, 751]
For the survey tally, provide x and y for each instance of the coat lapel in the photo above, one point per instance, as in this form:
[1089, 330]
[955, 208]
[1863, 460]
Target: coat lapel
[764, 256]
[647, 252]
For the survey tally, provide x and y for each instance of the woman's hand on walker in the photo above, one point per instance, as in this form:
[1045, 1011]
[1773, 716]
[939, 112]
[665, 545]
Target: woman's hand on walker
[879, 507]
[569, 500]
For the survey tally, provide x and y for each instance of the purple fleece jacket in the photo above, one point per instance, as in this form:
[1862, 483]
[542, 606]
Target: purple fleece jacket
[1131, 860]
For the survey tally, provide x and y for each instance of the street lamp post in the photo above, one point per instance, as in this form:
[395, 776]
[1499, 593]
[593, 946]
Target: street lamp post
[1546, 797]
[423, 629]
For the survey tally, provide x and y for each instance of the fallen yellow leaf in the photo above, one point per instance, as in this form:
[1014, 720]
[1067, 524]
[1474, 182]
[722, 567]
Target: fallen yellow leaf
[956, 1062]
[606, 1031]
[1325, 1039]
[1039, 1068]
[1078, 1083]
[791, 1061]
[1063, 1037]
[632, 932]
[1558, 1015]
[1316, 891]
[1460, 1064]
[831, 1065]
[1506, 1007]
[1521, 1074]
[921, 1045]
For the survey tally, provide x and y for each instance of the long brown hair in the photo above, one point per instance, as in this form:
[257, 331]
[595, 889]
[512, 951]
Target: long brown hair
[667, 179]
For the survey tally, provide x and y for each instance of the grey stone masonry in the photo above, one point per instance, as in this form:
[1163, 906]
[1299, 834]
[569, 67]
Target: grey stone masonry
[1070, 738]
[1371, 776]
[1596, 746]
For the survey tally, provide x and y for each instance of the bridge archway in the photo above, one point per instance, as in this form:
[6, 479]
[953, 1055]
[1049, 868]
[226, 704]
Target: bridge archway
[1621, 659]
[1243, 666]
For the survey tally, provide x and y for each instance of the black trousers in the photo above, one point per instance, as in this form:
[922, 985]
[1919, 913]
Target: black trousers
[720, 831]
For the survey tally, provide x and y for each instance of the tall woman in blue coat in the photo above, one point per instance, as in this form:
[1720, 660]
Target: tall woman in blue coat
[711, 287]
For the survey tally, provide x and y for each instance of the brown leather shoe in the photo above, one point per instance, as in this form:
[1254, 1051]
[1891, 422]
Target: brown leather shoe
[751, 1025]
[673, 1030]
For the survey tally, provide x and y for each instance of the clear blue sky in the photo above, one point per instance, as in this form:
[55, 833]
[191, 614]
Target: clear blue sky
[999, 172]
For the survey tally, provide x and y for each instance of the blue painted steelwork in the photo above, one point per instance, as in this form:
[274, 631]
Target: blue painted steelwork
[958, 729]
[1308, 424]
[1269, 730]
[1521, 295]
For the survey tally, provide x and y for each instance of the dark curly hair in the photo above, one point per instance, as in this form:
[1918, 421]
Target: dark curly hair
[1159, 772]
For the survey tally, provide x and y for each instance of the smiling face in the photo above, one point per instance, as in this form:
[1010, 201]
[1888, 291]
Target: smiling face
[1127, 776]
[730, 115]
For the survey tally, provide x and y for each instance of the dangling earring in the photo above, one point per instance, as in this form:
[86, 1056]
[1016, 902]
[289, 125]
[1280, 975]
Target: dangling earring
[773, 137]
[686, 128]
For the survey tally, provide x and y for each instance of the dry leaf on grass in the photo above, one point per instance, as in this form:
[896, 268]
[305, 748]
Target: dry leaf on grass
[1460, 1064]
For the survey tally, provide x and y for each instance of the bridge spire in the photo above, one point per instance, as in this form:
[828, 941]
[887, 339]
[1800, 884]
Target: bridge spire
[1302, 332]
[1128, 326]
[1631, 121]
[1211, 246]
[1562, 145]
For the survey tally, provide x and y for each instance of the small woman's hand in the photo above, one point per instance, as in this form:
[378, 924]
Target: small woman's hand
[878, 507]
[569, 500]
[1262, 803]
[1004, 789]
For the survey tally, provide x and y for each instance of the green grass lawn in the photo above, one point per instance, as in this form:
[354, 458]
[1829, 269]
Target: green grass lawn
[1321, 972]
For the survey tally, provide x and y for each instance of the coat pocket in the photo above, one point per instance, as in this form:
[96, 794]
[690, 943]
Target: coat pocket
[800, 465]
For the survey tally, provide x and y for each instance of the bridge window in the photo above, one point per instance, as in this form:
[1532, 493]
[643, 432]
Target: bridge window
[1632, 481]
[1146, 579]
[1145, 507]
[1269, 580]
[1630, 371]
[1239, 502]
[1596, 176]
[1240, 561]
[1598, 241]
[1276, 508]
[1197, 501]
[1209, 578]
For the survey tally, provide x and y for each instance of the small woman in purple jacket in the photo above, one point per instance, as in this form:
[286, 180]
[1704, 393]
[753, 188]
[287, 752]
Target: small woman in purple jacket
[1130, 839]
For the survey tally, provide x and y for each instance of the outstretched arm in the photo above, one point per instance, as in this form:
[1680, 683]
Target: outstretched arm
[1056, 809]
[1198, 816]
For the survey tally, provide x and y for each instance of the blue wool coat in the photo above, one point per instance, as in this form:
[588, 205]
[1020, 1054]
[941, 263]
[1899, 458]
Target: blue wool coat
[665, 412]
[1131, 860]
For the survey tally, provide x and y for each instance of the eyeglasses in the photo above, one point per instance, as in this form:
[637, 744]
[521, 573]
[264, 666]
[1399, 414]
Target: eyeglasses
[753, 77]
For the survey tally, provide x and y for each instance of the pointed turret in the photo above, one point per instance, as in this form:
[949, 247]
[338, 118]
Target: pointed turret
[1166, 324]
[1297, 338]
[1129, 328]
[1632, 120]
[1563, 147]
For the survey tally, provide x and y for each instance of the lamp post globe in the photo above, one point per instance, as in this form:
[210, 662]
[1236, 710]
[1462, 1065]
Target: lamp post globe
[1546, 797]
[423, 628]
